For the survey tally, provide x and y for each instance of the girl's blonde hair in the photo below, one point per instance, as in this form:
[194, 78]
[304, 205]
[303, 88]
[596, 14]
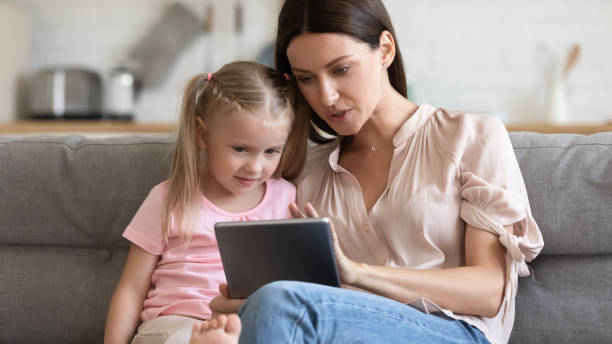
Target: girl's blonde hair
[237, 86]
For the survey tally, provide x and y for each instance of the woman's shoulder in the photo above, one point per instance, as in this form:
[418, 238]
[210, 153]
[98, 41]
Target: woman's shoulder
[457, 132]
[320, 152]
[316, 166]
[460, 123]
[318, 155]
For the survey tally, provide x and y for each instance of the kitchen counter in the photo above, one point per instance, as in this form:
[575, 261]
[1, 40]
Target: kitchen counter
[552, 128]
[119, 127]
[84, 127]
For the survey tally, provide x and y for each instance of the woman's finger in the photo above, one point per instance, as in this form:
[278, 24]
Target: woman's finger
[295, 211]
[310, 210]
[335, 238]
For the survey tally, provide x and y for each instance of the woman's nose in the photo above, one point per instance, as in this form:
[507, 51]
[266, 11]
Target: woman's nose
[329, 94]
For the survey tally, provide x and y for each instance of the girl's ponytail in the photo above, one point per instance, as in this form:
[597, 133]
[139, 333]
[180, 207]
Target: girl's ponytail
[183, 199]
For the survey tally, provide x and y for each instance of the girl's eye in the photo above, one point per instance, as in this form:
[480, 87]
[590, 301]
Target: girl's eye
[272, 151]
[239, 149]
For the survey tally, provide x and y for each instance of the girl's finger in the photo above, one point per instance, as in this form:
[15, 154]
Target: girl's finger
[224, 290]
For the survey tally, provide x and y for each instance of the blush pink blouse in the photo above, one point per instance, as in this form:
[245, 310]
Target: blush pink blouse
[448, 169]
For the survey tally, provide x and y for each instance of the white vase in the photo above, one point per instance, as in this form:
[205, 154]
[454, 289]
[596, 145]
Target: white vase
[558, 109]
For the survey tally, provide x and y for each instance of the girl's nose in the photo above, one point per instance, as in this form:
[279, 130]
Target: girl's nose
[254, 166]
[329, 94]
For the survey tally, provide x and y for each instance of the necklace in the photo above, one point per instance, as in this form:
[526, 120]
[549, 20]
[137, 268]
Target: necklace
[372, 148]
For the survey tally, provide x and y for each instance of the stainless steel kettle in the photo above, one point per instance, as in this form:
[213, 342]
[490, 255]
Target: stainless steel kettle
[119, 94]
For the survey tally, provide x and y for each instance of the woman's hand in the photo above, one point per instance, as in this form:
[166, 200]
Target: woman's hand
[346, 267]
[223, 304]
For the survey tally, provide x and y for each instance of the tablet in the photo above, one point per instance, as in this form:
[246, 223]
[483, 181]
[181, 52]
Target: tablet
[255, 253]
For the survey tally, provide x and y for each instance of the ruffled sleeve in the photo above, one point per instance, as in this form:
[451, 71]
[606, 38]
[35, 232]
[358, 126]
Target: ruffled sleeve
[489, 207]
[493, 195]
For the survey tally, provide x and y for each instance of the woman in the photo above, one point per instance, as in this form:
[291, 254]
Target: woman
[429, 206]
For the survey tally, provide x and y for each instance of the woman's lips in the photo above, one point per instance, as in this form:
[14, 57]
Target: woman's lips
[340, 116]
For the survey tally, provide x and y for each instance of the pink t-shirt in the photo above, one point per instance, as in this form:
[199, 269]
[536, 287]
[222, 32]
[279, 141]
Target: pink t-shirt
[187, 278]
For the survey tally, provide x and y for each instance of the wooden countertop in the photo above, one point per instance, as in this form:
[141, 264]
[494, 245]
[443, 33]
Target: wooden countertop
[85, 126]
[91, 126]
[550, 128]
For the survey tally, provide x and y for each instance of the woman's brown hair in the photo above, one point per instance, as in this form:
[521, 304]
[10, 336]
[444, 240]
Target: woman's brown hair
[363, 20]
[238, 86]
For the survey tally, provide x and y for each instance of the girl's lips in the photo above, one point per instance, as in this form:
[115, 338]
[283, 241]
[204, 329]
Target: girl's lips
[246, 181]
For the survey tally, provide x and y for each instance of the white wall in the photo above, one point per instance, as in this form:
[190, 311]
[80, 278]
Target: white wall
[472, 55]
[489, 55]
[99, 34]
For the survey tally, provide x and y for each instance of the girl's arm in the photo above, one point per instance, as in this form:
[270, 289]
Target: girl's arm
[128, 299]
[223, 304]
[476, 288]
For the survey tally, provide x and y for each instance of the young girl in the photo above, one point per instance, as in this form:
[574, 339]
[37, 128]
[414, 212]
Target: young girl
[236, 139]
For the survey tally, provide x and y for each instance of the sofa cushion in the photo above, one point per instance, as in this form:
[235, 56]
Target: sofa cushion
[53, 294]
[569, 182]
[77, 191]
[569, 301]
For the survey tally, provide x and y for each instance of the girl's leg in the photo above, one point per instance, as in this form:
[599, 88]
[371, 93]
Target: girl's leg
[296, 312]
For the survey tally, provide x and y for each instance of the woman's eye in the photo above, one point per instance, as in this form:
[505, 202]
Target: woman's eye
[239, 149]
[304, 79]
[342, 70]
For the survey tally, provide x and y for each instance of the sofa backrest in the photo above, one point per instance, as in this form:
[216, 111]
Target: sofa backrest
[64, 203]
[66, 200]
[569, 181]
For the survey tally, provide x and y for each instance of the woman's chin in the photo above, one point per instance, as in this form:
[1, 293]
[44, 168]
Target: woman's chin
[346, 130]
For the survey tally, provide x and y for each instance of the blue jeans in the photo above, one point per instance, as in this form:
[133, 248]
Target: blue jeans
[297, 312]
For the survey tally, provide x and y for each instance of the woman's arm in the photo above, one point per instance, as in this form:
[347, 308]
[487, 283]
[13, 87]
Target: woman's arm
[475, 289]
[128, 299]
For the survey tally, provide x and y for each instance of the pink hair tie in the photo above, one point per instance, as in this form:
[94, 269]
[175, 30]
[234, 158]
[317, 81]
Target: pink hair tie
[209, 76]
[286, 76]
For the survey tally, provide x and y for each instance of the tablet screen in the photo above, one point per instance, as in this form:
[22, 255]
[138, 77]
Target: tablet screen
[255, 253]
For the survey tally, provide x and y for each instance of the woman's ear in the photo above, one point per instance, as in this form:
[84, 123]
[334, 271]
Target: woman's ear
[201, 132]
[387, 48]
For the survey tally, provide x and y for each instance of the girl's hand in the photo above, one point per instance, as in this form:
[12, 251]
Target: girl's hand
[223, 304]
[346, 267]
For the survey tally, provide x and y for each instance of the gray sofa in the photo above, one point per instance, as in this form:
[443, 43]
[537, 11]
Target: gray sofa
[66, 200]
